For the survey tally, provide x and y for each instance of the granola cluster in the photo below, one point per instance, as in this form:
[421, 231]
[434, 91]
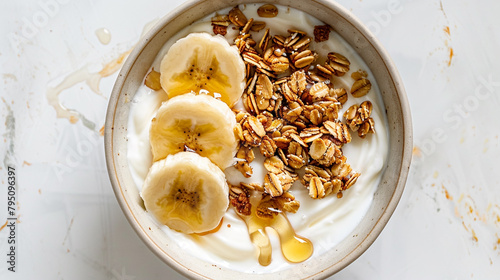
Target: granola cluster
[292, 115]
[268, 205]
[358, 118]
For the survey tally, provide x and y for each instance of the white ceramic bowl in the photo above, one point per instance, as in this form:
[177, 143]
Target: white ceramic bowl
[385, 198]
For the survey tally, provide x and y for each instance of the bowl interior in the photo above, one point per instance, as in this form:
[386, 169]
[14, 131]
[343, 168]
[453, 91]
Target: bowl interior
[386, 196]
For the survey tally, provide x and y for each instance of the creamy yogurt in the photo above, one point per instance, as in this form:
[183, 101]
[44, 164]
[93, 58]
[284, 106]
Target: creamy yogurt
[325, 222]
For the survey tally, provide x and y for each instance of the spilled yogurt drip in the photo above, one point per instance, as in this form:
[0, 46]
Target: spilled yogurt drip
[92, 79]
[324, 222]
[103, 35]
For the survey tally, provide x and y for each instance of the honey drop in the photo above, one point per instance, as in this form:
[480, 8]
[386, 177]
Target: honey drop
[294, 247]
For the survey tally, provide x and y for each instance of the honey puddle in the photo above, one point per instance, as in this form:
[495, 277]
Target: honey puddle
[294, 248]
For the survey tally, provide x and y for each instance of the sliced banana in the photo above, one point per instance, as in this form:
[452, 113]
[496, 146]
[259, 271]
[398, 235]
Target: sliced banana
[186, 192]
[199, 123]
[201, 61]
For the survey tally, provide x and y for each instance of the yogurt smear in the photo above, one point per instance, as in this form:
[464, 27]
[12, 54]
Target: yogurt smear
[325, 222]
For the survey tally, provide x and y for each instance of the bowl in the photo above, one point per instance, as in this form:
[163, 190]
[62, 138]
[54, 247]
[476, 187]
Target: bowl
[386, 196]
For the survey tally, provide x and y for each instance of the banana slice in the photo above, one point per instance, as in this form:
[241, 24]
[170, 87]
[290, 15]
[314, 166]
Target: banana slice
[201, 61]
[199, 123]
[186, 192]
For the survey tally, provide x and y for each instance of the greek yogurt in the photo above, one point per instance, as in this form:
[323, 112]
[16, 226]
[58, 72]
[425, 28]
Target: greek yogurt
[325, 222]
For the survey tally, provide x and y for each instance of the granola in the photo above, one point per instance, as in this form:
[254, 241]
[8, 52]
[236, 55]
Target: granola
[321, 33]
[291, 114]
[361, 87]
[220, 29]
[220, 24]
[267, 10]
[358, 118]
[237, 17]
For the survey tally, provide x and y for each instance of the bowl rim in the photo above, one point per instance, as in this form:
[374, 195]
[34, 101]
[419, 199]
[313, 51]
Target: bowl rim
[407, 144]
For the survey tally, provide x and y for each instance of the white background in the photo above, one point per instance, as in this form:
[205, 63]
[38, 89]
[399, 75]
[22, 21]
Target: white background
[70, 226]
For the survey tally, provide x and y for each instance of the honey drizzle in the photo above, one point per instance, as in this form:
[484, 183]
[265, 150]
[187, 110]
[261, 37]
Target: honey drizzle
[216, 229]
[294, 248]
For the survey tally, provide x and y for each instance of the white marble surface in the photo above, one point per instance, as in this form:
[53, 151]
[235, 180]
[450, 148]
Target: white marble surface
[70, 226]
